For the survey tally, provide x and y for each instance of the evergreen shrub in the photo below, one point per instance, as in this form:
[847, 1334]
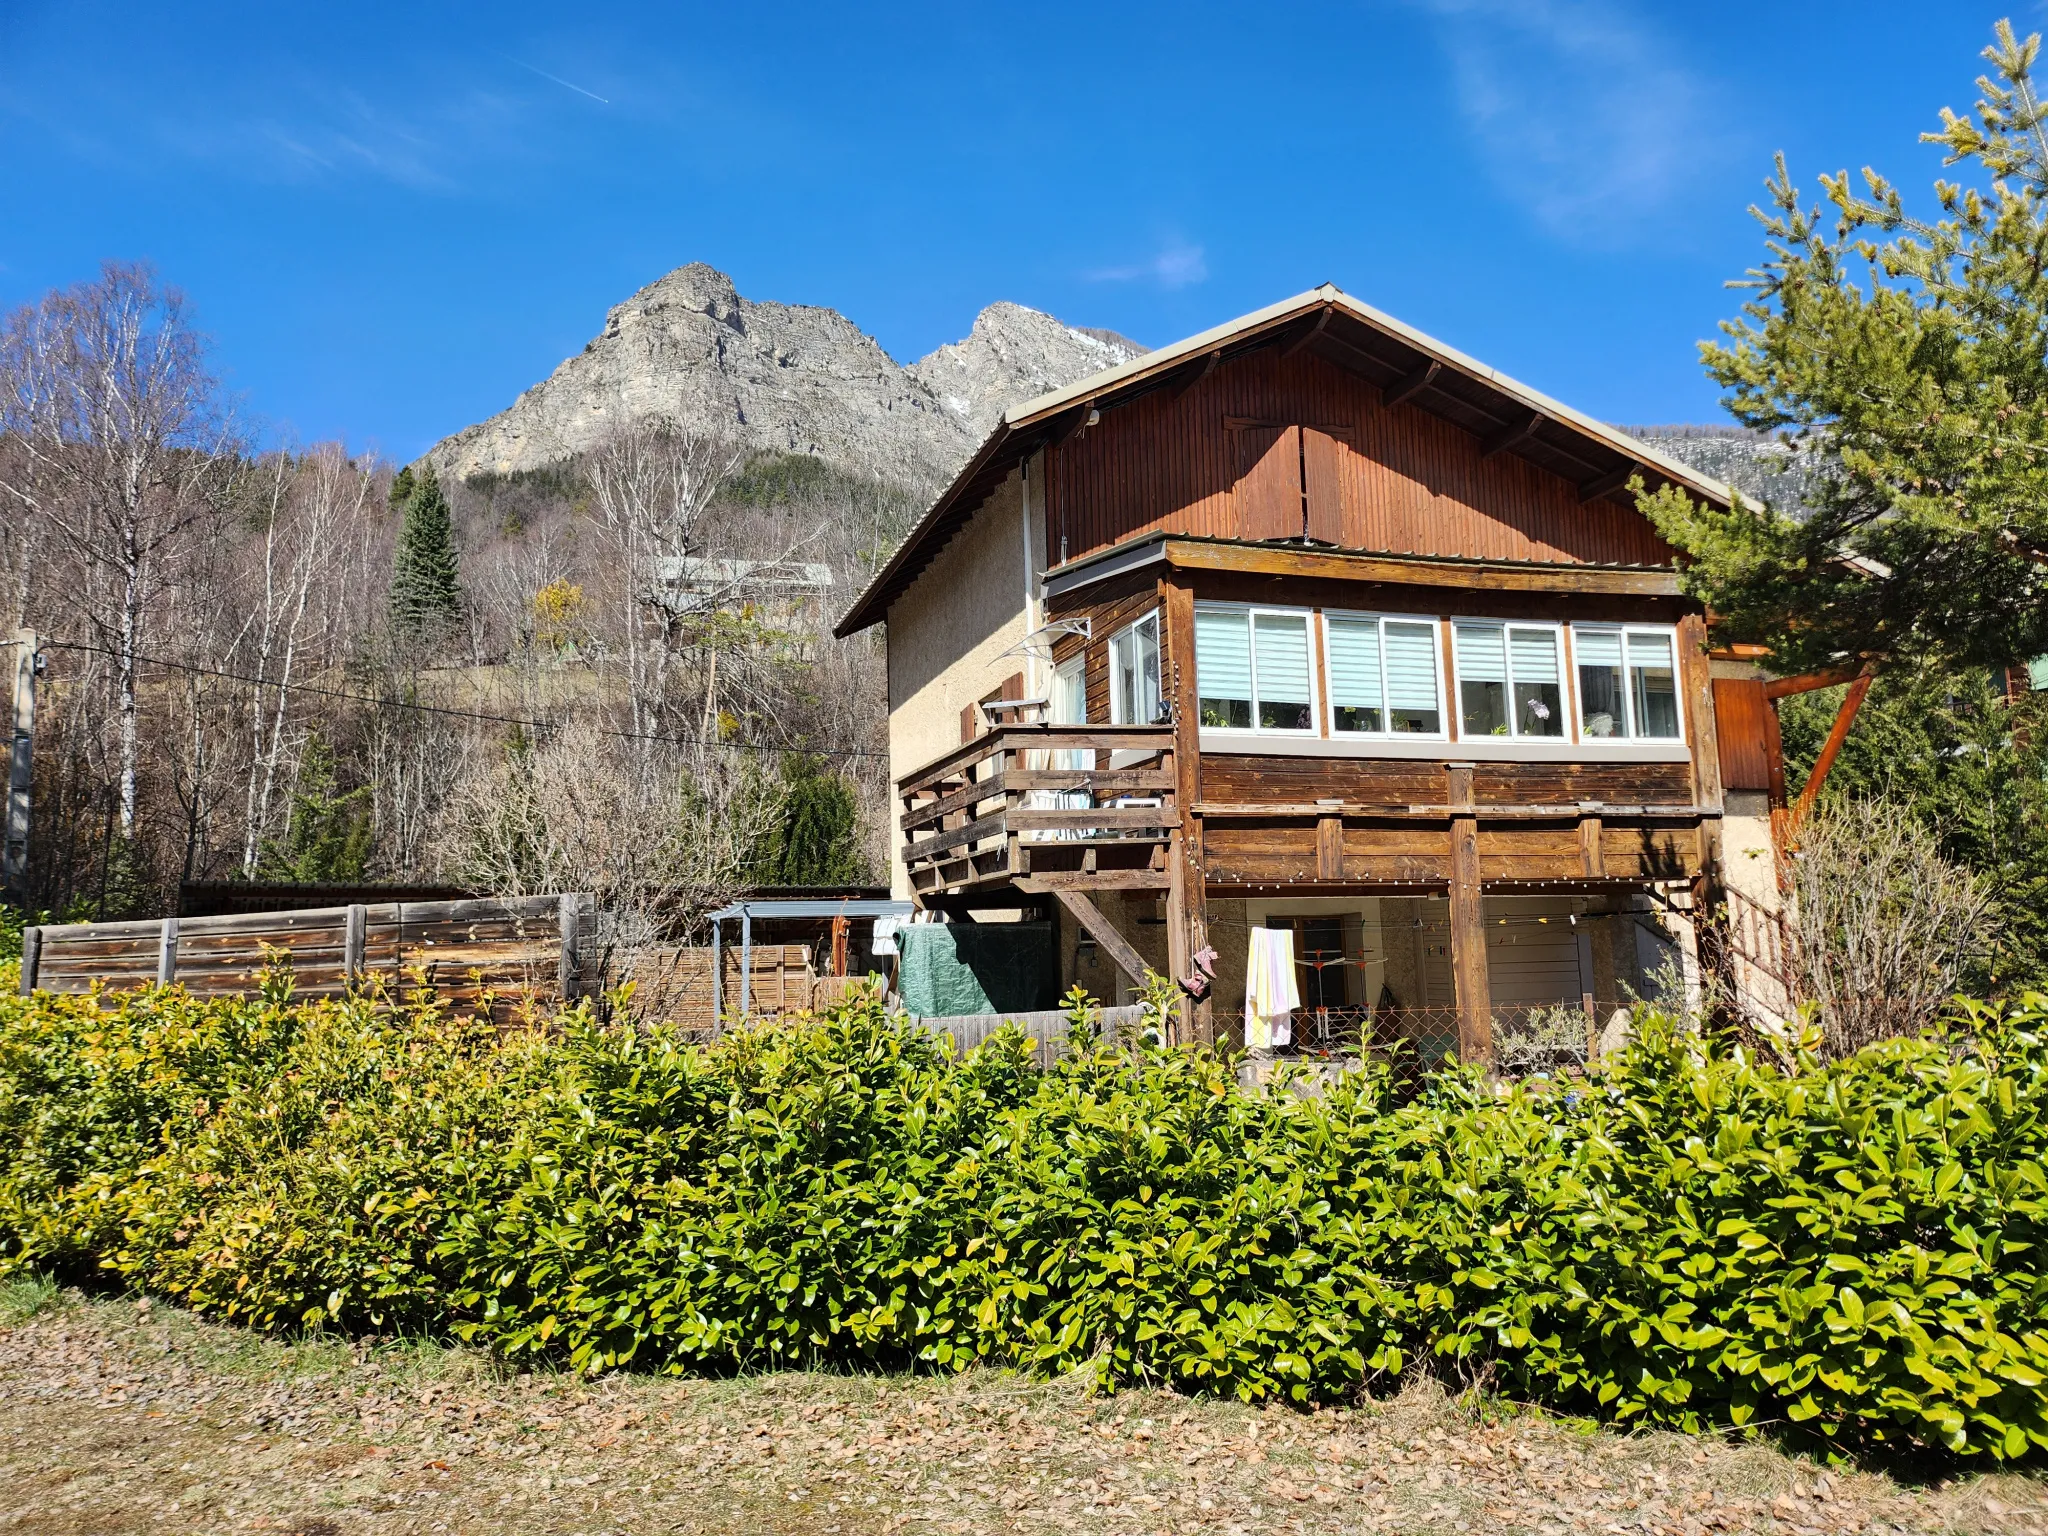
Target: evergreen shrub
[1693, 1236]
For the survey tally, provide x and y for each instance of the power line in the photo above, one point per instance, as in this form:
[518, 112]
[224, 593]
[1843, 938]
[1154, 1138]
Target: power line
[442, 709]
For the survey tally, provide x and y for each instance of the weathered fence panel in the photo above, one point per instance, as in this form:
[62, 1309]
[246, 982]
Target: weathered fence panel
[513, 949]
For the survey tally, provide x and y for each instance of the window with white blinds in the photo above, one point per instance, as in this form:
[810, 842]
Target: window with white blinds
[1510, 679]
[1254, 669]
[1628, 682]
[1383, 676]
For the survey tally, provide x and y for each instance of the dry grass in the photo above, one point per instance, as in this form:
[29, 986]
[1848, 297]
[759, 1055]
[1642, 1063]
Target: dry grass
[120, 1417]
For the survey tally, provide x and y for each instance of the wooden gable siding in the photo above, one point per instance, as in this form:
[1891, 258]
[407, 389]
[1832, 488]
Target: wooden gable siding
[1223, 460]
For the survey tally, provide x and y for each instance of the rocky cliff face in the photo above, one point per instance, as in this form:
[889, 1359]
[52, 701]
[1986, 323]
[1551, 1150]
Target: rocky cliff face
[786, 378]
[1012, 355]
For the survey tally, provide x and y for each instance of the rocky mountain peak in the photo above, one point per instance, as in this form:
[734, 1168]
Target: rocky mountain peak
[1011, 355]
[784, 378]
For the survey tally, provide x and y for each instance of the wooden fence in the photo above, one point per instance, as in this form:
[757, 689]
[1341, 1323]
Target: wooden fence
[513, 948]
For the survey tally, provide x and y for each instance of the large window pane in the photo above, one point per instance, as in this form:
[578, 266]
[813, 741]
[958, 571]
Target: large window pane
[1603, 708]
[1134, 674]
[1223, 668]
[1482, 680]
[1538, 689]
[1355, 684]
[1412, 702]
[1654, 683]
[1280, 671]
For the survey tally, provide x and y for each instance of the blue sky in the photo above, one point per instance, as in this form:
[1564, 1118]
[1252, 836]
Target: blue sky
[395, 217]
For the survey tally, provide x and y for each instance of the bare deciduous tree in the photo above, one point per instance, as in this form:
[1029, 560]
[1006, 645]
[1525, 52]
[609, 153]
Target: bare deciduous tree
[123, 443]
[1884, 928]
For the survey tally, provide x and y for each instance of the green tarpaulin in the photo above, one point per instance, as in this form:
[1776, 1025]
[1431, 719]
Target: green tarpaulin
[960, 968]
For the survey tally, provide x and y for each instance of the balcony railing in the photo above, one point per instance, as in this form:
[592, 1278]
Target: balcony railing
[1043, 806]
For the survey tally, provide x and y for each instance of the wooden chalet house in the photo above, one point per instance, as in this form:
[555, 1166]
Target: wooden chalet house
[1310, 621]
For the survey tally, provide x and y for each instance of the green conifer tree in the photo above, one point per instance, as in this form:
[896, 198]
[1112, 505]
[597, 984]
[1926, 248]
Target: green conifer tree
[402, 488]
[1904, 354]
[426, 589]
[816, 842]
[327, 839]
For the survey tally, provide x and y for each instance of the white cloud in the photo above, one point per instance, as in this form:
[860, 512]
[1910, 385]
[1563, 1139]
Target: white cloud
[1585, 114]
[1177, 265]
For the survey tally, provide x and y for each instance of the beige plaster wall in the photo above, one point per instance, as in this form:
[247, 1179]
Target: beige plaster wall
[948, 635]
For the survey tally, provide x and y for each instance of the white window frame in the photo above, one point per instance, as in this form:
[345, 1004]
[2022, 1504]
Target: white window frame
[1310, 637]
[1666, 632]
[1434, 624]
[1567, 670]
[1157, 621]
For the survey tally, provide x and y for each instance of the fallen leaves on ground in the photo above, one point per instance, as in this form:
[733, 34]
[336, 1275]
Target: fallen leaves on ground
[121, 1417]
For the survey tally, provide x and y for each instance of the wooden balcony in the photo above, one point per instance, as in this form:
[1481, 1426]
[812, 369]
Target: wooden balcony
[1043, 808]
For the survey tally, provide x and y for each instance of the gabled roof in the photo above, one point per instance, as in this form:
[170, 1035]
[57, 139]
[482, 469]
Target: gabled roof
[1407, 365]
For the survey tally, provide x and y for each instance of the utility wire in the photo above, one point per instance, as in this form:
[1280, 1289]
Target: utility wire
[441, 709]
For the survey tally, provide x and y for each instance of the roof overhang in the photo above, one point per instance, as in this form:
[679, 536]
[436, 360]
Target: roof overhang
[1405, 364]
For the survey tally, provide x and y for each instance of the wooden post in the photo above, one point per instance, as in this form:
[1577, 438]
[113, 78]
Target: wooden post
[840, 926]
[1592, 844]
[1468, 925]
[1103, 932]
[1187, 894]
[31, 958]
[1330, 848]
[167, 952]
[354, 944]
[569, 972]
[1852, 701]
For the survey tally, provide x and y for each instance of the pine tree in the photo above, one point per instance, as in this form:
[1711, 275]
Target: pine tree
[426, 591]
[402, 488]
[816, 840]
[1913, 372]
[327, 839]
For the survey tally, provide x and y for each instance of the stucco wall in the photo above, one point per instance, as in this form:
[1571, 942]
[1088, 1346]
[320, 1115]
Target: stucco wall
[948, 635]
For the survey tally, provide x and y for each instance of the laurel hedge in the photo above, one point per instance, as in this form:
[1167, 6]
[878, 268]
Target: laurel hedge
[1695, 1236]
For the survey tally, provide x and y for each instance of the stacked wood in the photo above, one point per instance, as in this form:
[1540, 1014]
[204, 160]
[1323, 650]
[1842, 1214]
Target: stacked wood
[673, 983]
[513, 951]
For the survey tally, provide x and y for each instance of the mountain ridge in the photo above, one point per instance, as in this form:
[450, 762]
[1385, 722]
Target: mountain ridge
[804, 379]
[782, 378]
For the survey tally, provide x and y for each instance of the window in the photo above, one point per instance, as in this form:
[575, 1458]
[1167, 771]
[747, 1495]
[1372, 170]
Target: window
[1628, 683]
[1510, 680]
[1134, 674]
[1070, 707]
[1383, 676]
[1254, 670]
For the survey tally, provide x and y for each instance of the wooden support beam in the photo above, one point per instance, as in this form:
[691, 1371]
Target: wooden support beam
[31, 958]
[1329, 846]
[1208, 367]
[1609, 483]
[1307, 335]
[1103, 932]
[1813, 682]
[1592, 852]
[167, 953]
[1073, 426]
[1513, 435]
[1410, 385]
[1420, 570]
[1187, 902]
[1830, 750]
[1468, 928]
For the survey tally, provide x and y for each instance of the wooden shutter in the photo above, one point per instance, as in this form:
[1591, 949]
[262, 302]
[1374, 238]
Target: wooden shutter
[1322, 485]
[1268, 489]
[1745, 725]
